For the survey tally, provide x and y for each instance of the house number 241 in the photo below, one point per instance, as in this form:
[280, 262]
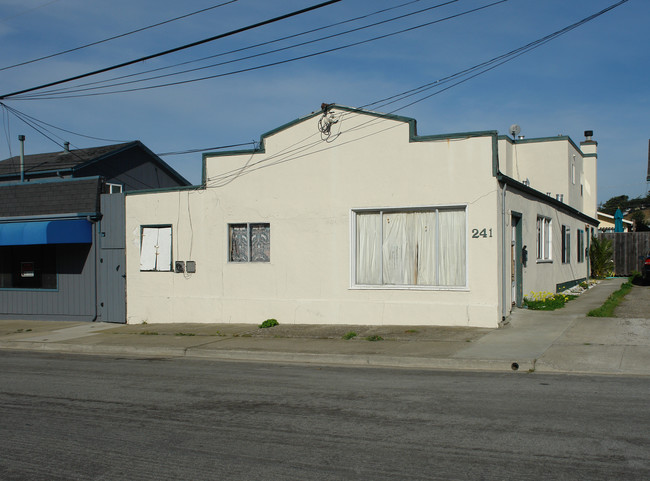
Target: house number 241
[477, 234]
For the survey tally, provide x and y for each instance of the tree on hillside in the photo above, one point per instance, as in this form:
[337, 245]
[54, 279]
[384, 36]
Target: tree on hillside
[625, 203]
[610, 206]
[640, 221]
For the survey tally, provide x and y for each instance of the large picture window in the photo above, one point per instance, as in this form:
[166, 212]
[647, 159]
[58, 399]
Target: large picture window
[543, 238]
[249, 242]
[156, 248]
[423, 247]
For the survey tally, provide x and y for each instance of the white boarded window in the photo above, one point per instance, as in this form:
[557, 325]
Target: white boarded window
[419, 247]
[156, 248]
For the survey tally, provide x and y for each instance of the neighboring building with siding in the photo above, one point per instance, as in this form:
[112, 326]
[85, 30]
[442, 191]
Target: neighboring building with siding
[349, 216]
[62, 237]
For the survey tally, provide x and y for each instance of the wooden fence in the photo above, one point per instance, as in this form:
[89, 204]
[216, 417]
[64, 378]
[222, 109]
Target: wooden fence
[630, 250]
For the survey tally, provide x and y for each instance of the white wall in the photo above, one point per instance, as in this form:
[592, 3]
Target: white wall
[542, 275]
[552, 166]
[306, 186]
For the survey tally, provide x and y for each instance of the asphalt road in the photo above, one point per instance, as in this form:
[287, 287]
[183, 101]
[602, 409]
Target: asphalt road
[100, 418]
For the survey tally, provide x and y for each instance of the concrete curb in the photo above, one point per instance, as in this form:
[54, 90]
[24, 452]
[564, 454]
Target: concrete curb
[492, 365]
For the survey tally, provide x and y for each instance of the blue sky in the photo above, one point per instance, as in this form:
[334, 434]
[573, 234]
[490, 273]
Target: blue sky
[595, 77]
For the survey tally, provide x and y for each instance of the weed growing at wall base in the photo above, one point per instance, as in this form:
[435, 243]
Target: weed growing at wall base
[269, 323]
[546, 301]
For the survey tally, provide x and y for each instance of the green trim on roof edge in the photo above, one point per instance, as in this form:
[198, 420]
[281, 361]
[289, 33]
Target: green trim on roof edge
[545, 198]
[541, 139]
[413, 136]
[179, 188]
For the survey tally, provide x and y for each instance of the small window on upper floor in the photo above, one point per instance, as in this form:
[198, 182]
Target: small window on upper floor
[113, 188]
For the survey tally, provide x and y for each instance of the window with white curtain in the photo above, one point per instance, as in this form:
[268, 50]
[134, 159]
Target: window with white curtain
[543, 238]
[156, 248]
[416, 247]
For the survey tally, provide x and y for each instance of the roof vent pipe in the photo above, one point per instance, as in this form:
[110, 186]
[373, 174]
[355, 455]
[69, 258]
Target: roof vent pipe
[66, 146]
[21, 139]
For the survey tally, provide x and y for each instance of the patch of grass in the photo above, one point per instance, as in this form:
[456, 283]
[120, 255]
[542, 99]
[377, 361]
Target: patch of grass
[23, 330]
[612, 302]
[374, 338]
[144, 322]
[148, 333]
[269, 323]
[411, 331]
[349, 335]
[219, 334]
[185, 334]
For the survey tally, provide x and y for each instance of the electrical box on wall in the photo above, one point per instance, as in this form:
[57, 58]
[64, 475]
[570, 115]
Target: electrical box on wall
[191, 267]
[179, 266]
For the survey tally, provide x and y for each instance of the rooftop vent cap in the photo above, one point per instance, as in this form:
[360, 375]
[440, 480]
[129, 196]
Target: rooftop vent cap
[588, 135]
[66, 146]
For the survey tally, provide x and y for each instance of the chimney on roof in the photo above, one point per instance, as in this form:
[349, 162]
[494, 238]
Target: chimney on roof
[21, 139]
[588, 135]
[66, 146]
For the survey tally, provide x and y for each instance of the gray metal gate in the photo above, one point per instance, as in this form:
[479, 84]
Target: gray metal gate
[111, 260]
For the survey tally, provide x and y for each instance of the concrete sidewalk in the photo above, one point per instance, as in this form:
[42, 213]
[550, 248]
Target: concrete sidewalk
[557, 341]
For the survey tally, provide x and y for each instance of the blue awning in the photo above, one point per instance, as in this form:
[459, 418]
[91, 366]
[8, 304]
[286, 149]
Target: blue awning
[74, 231]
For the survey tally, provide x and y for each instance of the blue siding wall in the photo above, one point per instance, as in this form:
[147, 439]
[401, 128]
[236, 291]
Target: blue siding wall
[74, 298]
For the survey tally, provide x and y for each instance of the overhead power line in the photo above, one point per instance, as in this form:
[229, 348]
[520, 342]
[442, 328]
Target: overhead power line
[64, 93]
[460, 77]
[117, 36]
[249, 47]
[176, 49]
[193, 151]
[78, 88]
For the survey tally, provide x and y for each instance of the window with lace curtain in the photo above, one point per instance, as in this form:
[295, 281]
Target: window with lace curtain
[249, 242]
[411, 247]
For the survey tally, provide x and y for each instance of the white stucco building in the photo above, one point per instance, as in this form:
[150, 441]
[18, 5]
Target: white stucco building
[348, 216]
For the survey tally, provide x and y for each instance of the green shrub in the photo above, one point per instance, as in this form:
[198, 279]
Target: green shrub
[349, 335]
[269, 323]
[601, 251]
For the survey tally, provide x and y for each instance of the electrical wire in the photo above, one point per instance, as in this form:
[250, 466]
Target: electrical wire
[328, 37]
[27, 10]
[41, 122]
[35, 127]
[361, 17]
[224, 178]
[175, 49]
[258, 67]
[116, 36]
[193, 151]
